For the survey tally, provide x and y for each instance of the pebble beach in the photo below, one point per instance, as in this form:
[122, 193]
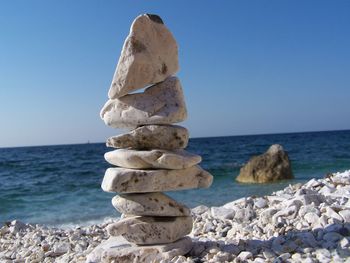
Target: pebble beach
[302, 223]
[224, 144]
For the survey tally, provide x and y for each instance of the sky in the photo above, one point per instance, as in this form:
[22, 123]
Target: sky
[246, 67]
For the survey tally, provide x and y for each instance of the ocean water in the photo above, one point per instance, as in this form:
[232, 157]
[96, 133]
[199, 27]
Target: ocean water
[60, 185]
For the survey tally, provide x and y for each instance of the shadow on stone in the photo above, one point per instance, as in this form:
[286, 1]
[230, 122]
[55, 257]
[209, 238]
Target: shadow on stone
[331, 242]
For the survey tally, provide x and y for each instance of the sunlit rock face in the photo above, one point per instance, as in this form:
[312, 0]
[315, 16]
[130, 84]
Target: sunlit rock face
[149, 159]
[149, 56]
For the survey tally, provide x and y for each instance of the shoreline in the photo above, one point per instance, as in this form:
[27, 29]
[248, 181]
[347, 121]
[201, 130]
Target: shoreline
[307, 222]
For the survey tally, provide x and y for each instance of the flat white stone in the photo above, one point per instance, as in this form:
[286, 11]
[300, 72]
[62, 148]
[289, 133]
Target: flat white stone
[162, 103]
[137, 159]
[123, 180]
[149, 55]
[117, 249]
[167, 137]
[151, 230]
[149, 204]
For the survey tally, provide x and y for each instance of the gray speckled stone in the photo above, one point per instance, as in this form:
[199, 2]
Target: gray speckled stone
[137, 159]
[123, 180]
[151, 230]
[149, 55]
[149, 204]
[117, 249]
[169, 137]
[162, 103]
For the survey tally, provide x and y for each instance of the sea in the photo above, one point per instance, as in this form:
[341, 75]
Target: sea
[60, 185]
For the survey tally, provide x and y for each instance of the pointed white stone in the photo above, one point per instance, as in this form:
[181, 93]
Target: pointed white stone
[149, 55]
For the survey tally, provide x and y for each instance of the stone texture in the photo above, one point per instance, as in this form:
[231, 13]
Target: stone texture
[169, 137]
[151, 230]
[123, 180]
[345, 214]
[149, 55]
[271, 166]
[137, 159]
[117, 249]
[149, 204]
[222, 213]
[162, 103]
[274, 229]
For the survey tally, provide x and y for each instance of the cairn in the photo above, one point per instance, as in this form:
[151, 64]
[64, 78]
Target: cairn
[150, 159]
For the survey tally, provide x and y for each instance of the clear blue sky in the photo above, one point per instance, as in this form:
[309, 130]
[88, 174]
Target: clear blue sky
[247, 67]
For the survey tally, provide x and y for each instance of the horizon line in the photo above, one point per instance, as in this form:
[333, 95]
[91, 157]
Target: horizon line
[200, 137]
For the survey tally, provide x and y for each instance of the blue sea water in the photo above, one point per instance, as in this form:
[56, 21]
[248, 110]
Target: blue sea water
[60, 185]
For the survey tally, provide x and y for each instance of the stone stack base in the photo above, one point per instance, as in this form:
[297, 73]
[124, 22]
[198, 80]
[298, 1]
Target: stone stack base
[117, 249]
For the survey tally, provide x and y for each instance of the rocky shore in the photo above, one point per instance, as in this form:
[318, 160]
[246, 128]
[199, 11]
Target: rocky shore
[302, 223]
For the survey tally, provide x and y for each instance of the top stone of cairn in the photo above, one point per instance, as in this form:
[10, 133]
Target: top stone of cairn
[149, 55]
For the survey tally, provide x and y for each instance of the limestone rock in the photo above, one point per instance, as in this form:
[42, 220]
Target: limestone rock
[177, 159]
[162, 103]
[125, 180]
[149, 55]
[151, 230]
[271, 166]
[222, 213]
[345, 214]
[244, 256]
[260, 203]
[198, 210]
[117, 249]
[149, 204]
[17, 226]
[341, 178]
[169, 137]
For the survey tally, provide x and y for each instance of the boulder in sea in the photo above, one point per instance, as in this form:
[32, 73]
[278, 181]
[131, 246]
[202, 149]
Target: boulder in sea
[271, 166]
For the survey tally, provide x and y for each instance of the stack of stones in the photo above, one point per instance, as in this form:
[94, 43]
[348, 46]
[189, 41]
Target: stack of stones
[150, 157]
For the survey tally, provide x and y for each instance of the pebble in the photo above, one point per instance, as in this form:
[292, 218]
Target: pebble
[262, 232]
[311, 218]
[222, 213]
[282, 258]
[332, 214]
[260, 203]
[345, 214]
[244, 255]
